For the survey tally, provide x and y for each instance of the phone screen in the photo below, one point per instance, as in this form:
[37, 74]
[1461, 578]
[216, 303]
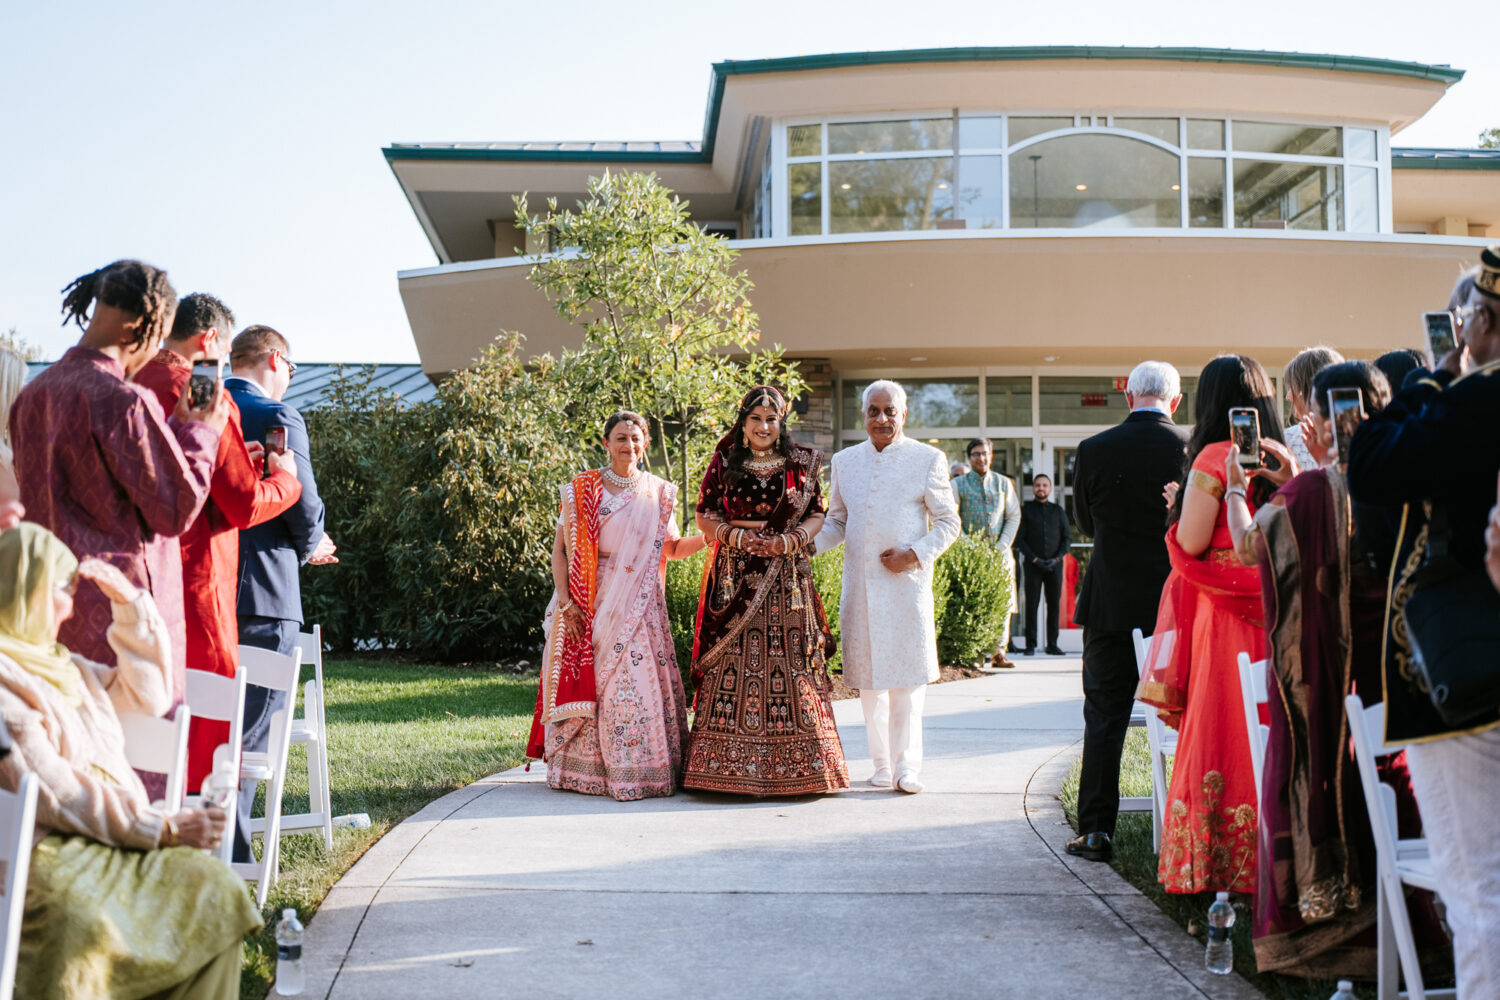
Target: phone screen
[1346, 408]
[204, 383]
[276, 440]
[1441, 337]
[1244, 429]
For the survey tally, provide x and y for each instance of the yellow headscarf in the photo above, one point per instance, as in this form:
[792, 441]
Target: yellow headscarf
[32, 562]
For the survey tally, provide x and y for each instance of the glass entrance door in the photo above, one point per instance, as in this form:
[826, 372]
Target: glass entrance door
[1060, 460]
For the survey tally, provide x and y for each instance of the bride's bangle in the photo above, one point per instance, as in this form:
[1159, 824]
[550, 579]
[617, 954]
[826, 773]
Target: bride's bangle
[567, 605]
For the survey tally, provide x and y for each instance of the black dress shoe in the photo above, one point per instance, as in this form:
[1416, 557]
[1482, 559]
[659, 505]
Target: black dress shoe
[1054, 651]
[1092, 847]
[1029, 651]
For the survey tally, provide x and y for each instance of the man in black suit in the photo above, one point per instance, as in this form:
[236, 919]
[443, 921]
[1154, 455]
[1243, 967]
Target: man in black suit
[1043, 542]
[1117, 500]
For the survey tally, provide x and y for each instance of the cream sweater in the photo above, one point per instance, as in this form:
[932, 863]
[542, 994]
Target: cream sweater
[78, 754]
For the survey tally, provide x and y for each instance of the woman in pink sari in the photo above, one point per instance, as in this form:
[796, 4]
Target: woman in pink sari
[611, 718]
[1210, 612]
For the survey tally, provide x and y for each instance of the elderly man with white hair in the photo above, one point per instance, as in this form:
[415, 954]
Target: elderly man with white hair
[890, 503]
[1117, 500]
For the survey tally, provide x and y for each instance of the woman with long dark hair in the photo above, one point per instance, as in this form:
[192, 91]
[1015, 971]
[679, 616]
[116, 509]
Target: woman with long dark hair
[1210, 612]
[763, 724]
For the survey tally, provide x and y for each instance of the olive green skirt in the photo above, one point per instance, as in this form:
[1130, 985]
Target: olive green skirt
[121, 924]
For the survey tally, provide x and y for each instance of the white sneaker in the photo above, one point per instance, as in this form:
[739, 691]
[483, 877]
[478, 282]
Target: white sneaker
[908, 783]
[881, 778]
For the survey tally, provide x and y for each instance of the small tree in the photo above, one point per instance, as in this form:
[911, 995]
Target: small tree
[668, 328]
[28, 352]
[1489, 138]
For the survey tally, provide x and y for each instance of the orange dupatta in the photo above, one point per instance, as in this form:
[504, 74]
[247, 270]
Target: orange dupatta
[567, 689]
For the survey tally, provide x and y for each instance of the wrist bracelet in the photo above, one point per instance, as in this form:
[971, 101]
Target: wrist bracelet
[169, 834]
[1237, 491]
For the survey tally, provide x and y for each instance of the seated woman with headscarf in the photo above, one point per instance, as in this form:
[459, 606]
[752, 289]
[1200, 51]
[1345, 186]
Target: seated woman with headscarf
[120, 901]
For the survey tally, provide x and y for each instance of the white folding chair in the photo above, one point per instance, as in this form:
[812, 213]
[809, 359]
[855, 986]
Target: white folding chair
[311, 731]
[1253, 695]
[1161, 739]
[269, 669]
[159, 746]
[1397, 862]
[214, 696]
[17, 820]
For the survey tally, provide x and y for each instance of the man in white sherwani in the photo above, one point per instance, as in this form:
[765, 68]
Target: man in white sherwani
[890, 503]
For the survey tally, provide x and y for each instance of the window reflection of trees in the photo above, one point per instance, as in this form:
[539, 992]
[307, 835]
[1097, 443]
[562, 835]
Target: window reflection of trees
[930, 402]
[871, 196]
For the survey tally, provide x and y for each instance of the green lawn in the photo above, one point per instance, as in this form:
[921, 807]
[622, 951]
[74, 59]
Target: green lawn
[1135, 860]
[399, 737]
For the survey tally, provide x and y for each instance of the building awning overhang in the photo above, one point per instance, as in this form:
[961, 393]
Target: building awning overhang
[982, 298]
[454, 187]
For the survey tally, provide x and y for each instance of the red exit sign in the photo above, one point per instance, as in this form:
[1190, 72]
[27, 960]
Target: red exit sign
[1095, 399]
[1121, 381]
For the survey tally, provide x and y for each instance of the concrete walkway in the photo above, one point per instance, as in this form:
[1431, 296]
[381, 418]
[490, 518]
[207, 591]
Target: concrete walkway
[509, 889]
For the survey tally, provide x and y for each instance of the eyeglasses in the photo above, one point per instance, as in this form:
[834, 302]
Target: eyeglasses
[1463, 314]
[291, 366]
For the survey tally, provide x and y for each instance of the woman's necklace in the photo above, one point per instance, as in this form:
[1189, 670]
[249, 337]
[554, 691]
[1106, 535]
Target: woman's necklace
[762, 461]
[619, 481]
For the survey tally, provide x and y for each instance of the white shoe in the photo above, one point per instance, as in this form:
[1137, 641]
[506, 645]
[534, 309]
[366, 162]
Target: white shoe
[881, 778]
[908, 783]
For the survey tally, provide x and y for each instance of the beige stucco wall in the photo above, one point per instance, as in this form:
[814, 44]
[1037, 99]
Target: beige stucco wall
[1448, 202]
[965, 299]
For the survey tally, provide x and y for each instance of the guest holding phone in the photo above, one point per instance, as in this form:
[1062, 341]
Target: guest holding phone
[238, 498]
[1211, 611]
[272, 553]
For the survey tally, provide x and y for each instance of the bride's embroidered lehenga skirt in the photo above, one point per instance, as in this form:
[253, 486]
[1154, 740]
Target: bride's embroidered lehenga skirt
[764, 723]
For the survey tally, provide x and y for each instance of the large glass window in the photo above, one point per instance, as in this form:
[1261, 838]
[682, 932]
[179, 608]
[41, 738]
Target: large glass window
[1094, 181]
[930, 402]
[873, 196]
[1007, 400]
[1271, 194]
[1065, 171]
[1081, 399]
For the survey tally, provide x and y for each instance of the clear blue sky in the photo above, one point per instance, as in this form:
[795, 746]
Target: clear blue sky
[239, 147]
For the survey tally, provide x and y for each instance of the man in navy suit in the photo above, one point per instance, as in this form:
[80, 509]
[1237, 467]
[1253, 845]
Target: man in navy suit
[271, 554]
[1117, 501]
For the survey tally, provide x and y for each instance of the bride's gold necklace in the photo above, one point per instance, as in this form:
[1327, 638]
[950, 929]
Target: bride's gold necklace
[764, 460]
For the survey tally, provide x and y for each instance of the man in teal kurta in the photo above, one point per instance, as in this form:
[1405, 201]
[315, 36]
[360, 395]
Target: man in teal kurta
[988, 504]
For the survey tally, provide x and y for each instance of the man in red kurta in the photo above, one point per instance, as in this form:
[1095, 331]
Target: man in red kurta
[238, 498]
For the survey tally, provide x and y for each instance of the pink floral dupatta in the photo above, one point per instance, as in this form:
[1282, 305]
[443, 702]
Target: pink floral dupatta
[612, 561]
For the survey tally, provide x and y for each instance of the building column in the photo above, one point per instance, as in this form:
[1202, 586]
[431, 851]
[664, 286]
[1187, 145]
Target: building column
[815, 427]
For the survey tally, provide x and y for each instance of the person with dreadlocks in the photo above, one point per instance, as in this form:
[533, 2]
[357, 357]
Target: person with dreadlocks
[102, 466]
[763, 724]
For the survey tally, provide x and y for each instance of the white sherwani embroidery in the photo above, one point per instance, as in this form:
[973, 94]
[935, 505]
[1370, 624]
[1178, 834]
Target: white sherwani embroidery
[898, 498]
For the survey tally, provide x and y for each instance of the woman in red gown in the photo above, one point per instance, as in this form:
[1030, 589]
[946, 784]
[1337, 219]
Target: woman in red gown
[1210, 613]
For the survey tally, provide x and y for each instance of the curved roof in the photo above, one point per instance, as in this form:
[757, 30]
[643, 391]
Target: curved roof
[703, 152]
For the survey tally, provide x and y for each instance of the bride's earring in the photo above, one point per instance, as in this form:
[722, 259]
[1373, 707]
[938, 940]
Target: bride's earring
[745, 436]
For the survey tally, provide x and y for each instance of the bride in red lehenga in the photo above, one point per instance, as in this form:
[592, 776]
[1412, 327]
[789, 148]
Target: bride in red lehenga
[1210, 612]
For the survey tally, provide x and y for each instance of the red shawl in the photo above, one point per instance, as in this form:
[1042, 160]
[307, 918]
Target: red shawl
[567, 688]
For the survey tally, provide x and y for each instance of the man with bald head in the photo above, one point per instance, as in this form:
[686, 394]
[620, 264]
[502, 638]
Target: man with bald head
[891, 505]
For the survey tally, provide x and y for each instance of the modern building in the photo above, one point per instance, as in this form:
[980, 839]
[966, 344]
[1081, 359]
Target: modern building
[1008, 230]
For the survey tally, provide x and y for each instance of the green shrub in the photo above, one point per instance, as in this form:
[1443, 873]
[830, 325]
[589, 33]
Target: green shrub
[972, 585]
[828, 578]
[684, 581]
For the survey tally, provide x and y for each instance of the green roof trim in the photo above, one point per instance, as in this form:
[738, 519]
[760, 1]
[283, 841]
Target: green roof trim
[1445, 75]
[1443, 163]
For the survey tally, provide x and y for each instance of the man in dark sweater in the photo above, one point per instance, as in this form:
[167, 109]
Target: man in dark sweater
[1117, 500]
[1043, 542]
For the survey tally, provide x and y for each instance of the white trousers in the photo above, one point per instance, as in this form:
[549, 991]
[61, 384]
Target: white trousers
[893, 723]
[1457, 781]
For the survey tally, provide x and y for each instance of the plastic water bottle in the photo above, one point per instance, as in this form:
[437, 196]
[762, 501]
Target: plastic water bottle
[1345, 991]
[1220, 955]
[221, 784]
[289, 978]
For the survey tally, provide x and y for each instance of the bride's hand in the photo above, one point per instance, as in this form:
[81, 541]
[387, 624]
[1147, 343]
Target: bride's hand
[572, 620]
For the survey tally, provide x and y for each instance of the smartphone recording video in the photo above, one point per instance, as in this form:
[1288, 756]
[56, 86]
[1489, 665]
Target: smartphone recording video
[1441, 337]
[1244, 430]
[1346, 408]
[276, 440]
[203, 385]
